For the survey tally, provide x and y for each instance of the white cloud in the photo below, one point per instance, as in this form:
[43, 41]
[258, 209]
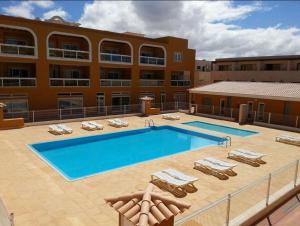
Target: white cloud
[209, 25]
[56, 12]
[26, 8]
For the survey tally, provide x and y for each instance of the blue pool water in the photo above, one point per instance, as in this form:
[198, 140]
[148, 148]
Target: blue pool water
[80, 157]
[222, 129]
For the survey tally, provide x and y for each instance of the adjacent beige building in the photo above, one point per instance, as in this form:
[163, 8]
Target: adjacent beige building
[255, 69]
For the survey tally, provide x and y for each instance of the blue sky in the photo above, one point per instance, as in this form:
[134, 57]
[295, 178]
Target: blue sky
[214, 28]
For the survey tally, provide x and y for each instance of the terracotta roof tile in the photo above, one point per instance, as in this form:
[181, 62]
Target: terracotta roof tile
[148, 207]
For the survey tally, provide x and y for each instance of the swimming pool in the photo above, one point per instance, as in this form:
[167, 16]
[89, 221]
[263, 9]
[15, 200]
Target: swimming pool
[222, 129]
[85, 156]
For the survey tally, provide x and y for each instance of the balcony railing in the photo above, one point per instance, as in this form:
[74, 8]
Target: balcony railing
[152, 60]
[68, 54]
[180, 82]
[115, 82]
[151, 82]
[20, 50]
[110, 57]
[17, 82]
[70, 82]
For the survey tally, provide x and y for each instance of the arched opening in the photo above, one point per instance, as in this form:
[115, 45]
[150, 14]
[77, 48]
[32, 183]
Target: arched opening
[17, 41]
[115, 51]
[152, 55]
[66, 46]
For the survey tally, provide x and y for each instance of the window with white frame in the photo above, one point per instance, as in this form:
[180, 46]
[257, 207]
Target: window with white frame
[72, 73]
[18, 72]
[71, 47]
[15, 41]
[177, 56]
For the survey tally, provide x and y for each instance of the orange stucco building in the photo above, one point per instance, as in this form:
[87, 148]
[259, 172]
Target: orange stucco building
[55, 64]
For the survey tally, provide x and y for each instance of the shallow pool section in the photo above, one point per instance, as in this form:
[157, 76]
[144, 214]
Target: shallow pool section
[221, 129]
[85, 156]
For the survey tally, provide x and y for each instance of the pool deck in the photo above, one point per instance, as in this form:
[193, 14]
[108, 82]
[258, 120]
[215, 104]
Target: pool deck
[39, 196]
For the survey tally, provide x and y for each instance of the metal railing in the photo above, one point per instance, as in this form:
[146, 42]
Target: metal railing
[115, 82]
[85, 112]
[277, 119]
[17, 82]
[235, 208]
[151, 82]
[111, 57]
[180, 82]
[231, 113]
[69, 82]
[16, 49]
[69, 54]
[152, 60]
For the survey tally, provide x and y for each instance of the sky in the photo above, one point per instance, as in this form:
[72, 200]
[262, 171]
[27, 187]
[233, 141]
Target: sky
[215, 29]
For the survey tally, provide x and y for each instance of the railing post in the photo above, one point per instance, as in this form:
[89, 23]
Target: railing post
[269, 118]
[268, 189]
[32, 116]
[296, 173]
[59, 114]
[196, 108]
[231, 112]
[228, 209]
[297, 119]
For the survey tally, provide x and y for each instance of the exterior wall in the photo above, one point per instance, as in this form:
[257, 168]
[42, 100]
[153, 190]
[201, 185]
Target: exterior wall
[273, 106]
[202, 73]
[44, 97]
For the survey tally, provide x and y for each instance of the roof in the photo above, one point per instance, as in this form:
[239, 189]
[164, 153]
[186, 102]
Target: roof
[263, 90]
[148, 207]
[255, 58]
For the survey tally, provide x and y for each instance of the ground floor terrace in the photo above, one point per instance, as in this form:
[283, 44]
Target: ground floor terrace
[39, 196]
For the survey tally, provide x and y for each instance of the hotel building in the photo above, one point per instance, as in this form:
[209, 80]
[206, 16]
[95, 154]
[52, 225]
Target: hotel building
[252, 69]
[56, 64]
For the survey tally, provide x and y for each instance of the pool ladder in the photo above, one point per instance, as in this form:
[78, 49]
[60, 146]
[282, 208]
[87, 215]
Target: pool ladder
[149, 122]
[226, 140]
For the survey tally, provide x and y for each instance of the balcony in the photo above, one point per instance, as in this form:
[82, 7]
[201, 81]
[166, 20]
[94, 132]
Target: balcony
[17, 82]
[65, 46]
[115, 82]
[117, 58]
[180, 82]
[115, 51]
[69, 82]
[68, 54]
[152, 55]
[151, 83]
[19, 50]
[152, 60]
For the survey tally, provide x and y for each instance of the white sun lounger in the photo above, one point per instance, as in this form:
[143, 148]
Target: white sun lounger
[54, 129]
[245, 155]
[220, 162]
[6, 218]
[122, 122]
[176, 186]
[211, 166]
[88, 126]
[288, 139]
[65, 128]
[98, 126]
[181, 176]
[114, 123]
[170, 116]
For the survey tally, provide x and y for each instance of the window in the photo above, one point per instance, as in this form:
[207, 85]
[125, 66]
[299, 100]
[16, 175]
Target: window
[177, 56]
[148, 75]
[272, 67]
[206, 101]
[13, 41]
[225, 67]
[286, 108]
[248, 67]
[120, 102]
[70, 47]
[70, 102]
[100, 102]
[72, 73]
[298, 67]
[16, 105]
[17, 72]
[199, 68]
[261, 111]
[177, 75]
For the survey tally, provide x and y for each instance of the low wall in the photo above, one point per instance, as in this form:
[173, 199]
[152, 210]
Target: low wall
[280, 127]
[15, 123]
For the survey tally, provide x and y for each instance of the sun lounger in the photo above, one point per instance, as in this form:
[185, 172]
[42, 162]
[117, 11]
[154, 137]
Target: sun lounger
[170, 116]
[54, 129]
[114, 123]
[218, 170]
[98, 126]
[6, 218]
[220, 162]
[65, 128]
[288, 139]
[88, 126]
[176, 186]
[246, 156]
[122, 122]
